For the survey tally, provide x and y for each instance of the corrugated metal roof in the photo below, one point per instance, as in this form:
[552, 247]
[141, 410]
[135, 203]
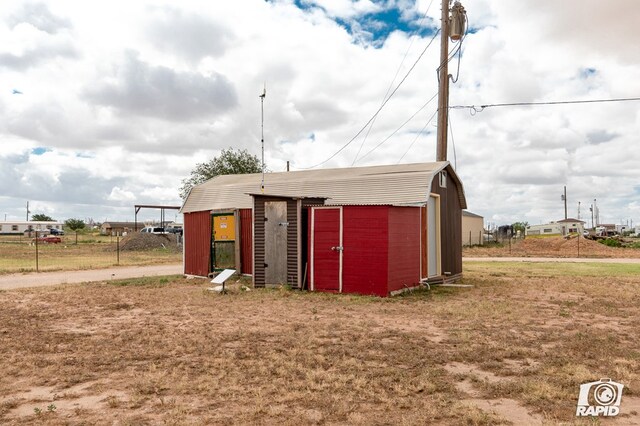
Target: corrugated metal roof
[395, 184]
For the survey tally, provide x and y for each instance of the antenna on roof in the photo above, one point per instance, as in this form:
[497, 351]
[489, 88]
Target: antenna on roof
[262, 96]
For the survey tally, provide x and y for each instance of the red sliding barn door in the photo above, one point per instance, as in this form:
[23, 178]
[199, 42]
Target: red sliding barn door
[326, 249]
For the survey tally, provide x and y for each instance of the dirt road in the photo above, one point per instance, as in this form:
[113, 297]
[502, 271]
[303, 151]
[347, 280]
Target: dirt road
[13, 281]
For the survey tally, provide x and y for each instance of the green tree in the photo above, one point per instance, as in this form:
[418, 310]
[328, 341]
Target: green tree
[74, 224]
[520, 226]
[41, 217]
[230, 162]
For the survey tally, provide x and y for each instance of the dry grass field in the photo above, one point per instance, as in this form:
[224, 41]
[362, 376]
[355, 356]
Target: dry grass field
[512, 349]
[18, 254]
[553, 246]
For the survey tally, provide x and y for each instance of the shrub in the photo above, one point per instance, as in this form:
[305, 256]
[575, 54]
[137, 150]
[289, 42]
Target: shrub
[611, 242]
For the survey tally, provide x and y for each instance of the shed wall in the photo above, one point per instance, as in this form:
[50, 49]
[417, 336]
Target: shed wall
[404, 248]
[246, 241]
[451, 226]
[365, 255]
[197, 243]
[472, 230]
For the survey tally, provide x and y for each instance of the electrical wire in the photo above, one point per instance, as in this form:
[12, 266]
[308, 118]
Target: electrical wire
[406, 53]
[453, 144]
[475, 108]
[379, 109]
[418, 135]
[401, 126]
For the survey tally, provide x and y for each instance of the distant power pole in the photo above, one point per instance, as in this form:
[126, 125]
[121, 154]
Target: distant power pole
[578, 210]
[453, 27]
[564, 198]
[28, 211]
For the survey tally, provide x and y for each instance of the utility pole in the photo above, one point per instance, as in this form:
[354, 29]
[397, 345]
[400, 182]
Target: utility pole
[28, 211]
[564, 198]
[578, 210]
[453, 27]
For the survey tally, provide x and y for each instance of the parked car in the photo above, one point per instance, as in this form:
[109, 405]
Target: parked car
[153, 230]
[49, 240]
[54, 231]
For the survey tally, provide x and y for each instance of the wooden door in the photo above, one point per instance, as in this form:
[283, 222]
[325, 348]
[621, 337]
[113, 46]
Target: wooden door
[275, 242]
[326, 249]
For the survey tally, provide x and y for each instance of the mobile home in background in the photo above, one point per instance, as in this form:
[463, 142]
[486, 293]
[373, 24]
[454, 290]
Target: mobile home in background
[20, 227]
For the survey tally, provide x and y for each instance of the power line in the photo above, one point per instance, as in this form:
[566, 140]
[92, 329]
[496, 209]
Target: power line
[393, 80]
[401, 126]
[379, 109]
[475, 108]
[453, 144]
[418, 135]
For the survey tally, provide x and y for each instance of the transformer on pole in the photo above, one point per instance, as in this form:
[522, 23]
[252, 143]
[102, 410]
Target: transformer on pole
[453, 26]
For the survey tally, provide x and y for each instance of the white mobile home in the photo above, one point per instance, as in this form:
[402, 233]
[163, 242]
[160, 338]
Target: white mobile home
[561, 227]
[20, 227]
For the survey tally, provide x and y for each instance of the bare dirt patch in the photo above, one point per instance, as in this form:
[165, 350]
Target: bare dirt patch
[157, 350]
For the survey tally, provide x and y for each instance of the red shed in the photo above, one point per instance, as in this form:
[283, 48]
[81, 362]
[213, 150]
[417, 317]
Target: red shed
[368, 230]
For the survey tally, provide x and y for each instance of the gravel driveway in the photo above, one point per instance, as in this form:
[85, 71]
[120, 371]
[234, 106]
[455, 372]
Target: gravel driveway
[13, 281]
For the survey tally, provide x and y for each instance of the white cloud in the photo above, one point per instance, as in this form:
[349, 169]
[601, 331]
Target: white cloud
[118, 194]
[127, 110]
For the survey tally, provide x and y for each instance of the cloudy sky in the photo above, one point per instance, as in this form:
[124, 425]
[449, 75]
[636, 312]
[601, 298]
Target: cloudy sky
[104, 105]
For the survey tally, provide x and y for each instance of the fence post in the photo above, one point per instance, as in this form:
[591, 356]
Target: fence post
[37, 266]
[118, 249]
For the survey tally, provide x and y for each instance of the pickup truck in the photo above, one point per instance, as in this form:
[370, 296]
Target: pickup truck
[153, 230]
[49, 239]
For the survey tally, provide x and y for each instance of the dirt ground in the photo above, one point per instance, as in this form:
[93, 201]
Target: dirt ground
[551, 247]
[511, 349]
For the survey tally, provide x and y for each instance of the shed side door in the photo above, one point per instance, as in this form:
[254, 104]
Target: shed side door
[433, 236]
[326, 246]
[275, 241]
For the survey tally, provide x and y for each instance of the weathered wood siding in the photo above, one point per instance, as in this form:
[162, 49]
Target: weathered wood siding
[294, 258]
[451, 226]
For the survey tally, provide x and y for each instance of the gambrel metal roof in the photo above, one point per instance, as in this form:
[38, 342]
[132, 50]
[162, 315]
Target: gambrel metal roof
[401, 184]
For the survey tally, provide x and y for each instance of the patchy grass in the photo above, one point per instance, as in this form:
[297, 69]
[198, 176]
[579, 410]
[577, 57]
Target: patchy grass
[166, 350]
[541, 269]
[21, 257]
